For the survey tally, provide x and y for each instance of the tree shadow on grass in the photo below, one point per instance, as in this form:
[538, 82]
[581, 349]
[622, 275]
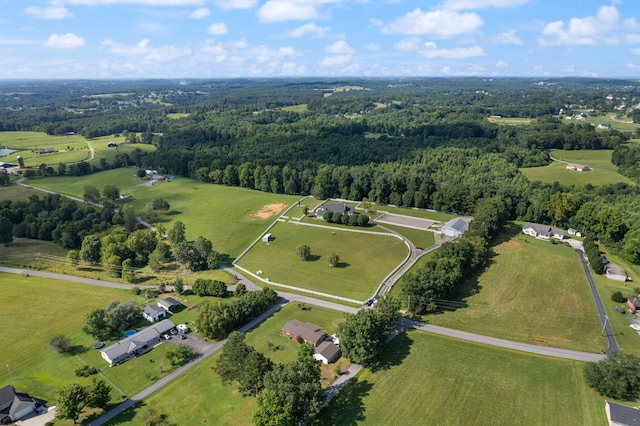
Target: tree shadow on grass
[347, 408]
[395, 352]
[313, 258]
[173, 213]
[343, 265]
[77, 350]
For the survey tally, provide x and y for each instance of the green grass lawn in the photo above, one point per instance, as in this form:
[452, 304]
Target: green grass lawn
[71, 148]
[619, 123]
[532, 291]
[15, 192]
[424, 214]
[433, 380]
[603, 172]
[230, 217]
[364, 259]
[296, 108]
[421, 239]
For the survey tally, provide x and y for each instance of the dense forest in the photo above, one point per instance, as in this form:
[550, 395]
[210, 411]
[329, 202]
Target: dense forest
[424, 143]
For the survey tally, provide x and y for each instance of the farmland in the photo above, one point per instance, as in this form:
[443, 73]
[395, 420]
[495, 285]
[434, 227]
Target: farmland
[443, 381]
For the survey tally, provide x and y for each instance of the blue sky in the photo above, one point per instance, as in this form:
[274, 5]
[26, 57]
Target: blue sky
[275, 38]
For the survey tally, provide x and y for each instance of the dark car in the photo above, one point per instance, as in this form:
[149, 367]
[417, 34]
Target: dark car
[369, 302]
[182, 336]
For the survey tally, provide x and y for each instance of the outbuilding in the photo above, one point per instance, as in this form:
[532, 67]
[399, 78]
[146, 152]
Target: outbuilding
[153, 313]
[327, 352]
[169, 304]
[455, 227]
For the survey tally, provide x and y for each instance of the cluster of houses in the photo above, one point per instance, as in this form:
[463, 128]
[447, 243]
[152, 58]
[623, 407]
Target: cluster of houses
[326, 349]
[611, 270]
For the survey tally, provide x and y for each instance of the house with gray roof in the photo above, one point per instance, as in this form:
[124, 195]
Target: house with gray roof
[153, 313]
[621, 415]
[169, 304]
[544, 232]
[615, 272]
[309, 333]
[136, 344]
[334, 208]
[455, 227]
[327, 352]
[15, 405]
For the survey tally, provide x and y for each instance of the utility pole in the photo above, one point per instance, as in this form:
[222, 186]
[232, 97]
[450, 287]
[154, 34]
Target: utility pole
[10, 374]
[604, 325]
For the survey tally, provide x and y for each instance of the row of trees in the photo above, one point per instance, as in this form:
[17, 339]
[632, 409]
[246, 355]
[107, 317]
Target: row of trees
[592, 251]
[355, 219]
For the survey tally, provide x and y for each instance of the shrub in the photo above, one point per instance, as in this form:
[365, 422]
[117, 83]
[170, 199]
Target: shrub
[618, 297]
[86, 371]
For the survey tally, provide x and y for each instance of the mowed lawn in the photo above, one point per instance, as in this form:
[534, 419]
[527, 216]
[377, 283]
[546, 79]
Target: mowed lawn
[433, 380]
[532, 291]
[230, 217]
[364, 259]
[35, 309]
[71, 148]
[603, 173]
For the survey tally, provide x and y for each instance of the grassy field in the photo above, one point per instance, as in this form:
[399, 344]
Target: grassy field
[101, 149]
[509, 121]
[230, 217]
[433, 380]
[15, 192]
[177, 115]
[603, 172]
[532, 291]
[622, 124]
[70, 148]
[421, 239]
[364, 259]
[377, 210]
[296, 108]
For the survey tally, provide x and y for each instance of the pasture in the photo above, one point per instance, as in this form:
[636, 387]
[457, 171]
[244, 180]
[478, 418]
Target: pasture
[230, 217]
[509, 121]
[603, 173]
[532, 291]
[365, 259]
[435, 380]
[68, 148]
[420, 213]
[301, 108]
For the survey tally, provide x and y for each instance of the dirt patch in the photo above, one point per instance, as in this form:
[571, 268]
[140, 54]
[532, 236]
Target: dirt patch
[269, 210]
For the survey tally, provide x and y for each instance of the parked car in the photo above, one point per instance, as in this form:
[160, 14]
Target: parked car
[182, 336]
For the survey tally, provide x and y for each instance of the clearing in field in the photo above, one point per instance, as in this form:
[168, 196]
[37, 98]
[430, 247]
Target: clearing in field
[364, 259]
[532, 291]
[603, 171]
[270, 210]
[443, 381]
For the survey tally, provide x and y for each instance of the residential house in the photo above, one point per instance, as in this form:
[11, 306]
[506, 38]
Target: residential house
[621, 415]
[15, 405]
[615, 272]
[136, 344]
[169, 304]
[578, 167]
[544, 232]
[455, 227]
[633, 304]
[153, 313]
[604, 126]
[335, 208]
[309, 333]
[575, 232]
[327, 352]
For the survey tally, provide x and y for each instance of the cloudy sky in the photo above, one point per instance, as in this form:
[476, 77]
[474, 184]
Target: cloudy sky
[271, 38]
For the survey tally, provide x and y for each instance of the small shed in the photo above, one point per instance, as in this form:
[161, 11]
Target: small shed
[169, 304]
[266, 238]
[327, 352]
[153, 313]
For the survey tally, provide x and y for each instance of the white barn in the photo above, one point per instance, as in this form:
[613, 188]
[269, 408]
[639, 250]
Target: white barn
[455, 227]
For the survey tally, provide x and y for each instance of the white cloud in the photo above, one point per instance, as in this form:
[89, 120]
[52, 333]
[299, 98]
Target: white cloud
[49, 12]
[502, 64]
[65, 41]
[635, 51]
[340, 47]
[631, 24]
[632, 66]
[481, 4]
[291, 69]
[592, 30]
[140, 48]
[134, 2]
[432, 52]
[373, 46]
[437, 24]
[334, 61]
[200, 13]
[236, 4]
[287, 10]
[219, 28]
[144, 52]
[409, 44]
[508, 37]
[308, 29]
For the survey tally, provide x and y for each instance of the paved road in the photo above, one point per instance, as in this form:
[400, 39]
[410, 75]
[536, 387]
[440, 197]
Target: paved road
[613, 346]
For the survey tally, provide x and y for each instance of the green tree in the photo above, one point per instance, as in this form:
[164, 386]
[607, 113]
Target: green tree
[60, 343]
[177, 233]
[213, 321]
[334, 260]
[74, 257]
[304, 252]
[179, 355]
[363, 336]
[6, 230]
[97, 323]
[178, 286]
[128, 273]
[617, 376]
[272, 412]
[71, 401]
[111, 192]
[123, 315]
[240, 290]
[91, 193]
[129, 218]
[99, 394]
[141, 173]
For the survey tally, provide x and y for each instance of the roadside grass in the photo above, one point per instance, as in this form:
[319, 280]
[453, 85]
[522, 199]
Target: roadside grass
[230, 217]
[365, 259]
[435, 380]
[603, 173]
[532, 291]
[377, 210]
[37, 309]
[15, 192]
[421, 239]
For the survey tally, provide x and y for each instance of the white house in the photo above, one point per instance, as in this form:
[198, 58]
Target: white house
[544, 232]
[327, 352]
[615, 272]
[137, 344]
[153, 313]
[578, 167]
[455, 227]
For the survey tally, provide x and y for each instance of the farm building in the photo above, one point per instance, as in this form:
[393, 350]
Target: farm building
[578, 167]
[334, 208]
[455, 227]
[621, 415]
[153, 313]
[15, 405]
[136, 344]
[309, 333]
[615, 272]
[605, 126]
[327, 352]
[542, 231]
[44, 151]
[169, 304]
